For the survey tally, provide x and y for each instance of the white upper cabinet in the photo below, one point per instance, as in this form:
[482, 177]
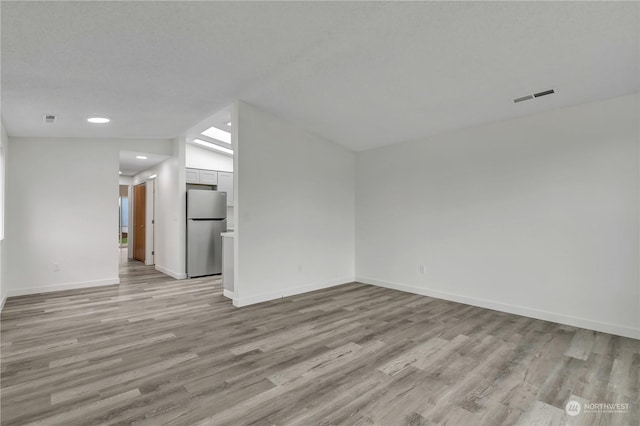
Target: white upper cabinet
[192, 176]
[225, 184]
[208, 177]
[203, 177]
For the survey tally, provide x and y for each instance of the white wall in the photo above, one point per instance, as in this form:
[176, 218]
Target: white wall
[3, 291]
[295, 230]
[202, 158]
[62, 197]
[536, 215]
[170, 213]
[128, 180]
[4, 147]
[125, 180]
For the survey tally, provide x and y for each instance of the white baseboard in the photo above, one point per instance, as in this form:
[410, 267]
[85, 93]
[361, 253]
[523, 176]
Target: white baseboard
[60, 287]
[616, 329]
[2, 300]
[227, 293]
[173, 274]
[292, 291]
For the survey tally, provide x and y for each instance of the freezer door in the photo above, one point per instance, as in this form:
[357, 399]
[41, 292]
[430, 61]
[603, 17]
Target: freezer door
[204, 247]
[206, 204]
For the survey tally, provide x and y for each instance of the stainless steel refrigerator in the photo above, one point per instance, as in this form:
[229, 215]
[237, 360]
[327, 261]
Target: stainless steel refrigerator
[206, 219]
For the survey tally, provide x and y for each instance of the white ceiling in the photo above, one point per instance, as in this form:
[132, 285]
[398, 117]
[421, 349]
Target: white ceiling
[218, 120]
[131, 166]
[363, 74]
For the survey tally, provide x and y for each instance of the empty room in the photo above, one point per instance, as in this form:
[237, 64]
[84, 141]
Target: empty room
[319, 213]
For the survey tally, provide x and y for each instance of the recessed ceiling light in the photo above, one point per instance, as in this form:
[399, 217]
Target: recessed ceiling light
[119, 173]
[98, 120]
[141, 157]
[229, 123]
[215, 133]
[213, 146]
[153, 176]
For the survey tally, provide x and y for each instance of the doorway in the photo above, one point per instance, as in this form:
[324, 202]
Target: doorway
[139, 217]
[123, 216]
[123, 223]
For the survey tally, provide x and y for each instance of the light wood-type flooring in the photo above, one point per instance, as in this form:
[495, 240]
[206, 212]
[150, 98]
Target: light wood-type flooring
[156, 351]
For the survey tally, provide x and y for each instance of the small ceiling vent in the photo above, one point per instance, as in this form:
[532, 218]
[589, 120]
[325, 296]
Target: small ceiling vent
[524, 98]
[545, 93]
[49, 118]
[535, 95]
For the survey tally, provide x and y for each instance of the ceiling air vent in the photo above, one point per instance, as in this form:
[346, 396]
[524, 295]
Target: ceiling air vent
[535, 95]
[545, 93]
[49, 118]
[524, 98]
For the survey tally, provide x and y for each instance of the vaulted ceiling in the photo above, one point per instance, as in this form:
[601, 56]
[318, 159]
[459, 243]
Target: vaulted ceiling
[363, 74]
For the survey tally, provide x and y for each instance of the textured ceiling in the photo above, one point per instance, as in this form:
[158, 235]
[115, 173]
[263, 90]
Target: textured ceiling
[363, 74]
[130, 165]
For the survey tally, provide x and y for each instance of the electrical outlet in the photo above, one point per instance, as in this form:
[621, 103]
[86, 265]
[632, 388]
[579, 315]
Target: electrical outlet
[423, 269]
[56, 267]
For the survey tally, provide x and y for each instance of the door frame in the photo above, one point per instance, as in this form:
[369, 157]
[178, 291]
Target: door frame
[149, 223]
[132, 230]
[120, 216]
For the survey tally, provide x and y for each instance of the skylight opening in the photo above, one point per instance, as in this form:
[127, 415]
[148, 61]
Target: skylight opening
[215, 133]
[213, 146]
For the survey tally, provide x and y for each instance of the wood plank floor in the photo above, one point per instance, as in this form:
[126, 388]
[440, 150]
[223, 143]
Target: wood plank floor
[155, 351]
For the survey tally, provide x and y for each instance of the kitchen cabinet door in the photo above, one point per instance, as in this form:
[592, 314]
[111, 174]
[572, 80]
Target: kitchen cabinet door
[208, 177]
[192, 176]
[225, 184]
